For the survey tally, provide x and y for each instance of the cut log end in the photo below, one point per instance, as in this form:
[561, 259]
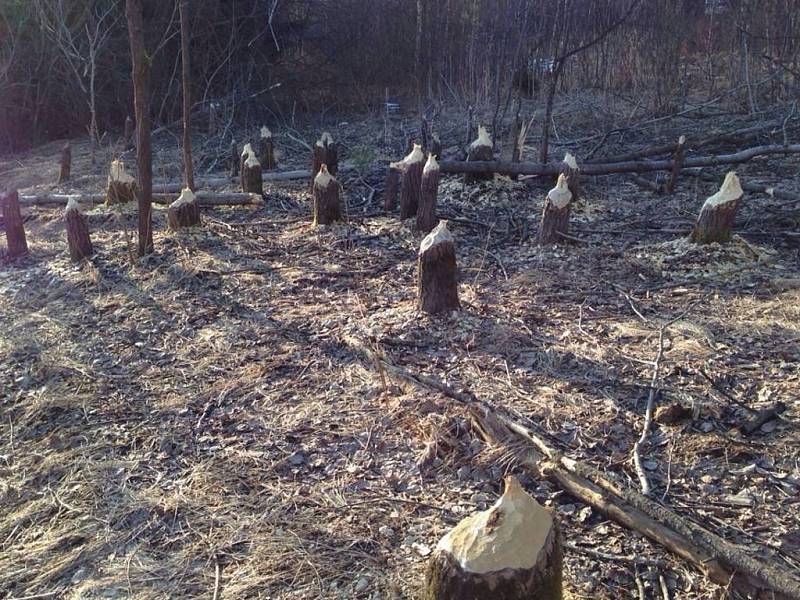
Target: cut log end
[184, 212]
[510, 551]
[437, 283]
[78, 239]
[716, 218]
[327, 205]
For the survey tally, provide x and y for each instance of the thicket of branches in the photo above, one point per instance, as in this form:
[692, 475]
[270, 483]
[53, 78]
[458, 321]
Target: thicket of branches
[65, 64]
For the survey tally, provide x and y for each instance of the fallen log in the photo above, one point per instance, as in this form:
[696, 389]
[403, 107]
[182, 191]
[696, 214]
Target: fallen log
[203, 199]
[634, 166]
[719, 560]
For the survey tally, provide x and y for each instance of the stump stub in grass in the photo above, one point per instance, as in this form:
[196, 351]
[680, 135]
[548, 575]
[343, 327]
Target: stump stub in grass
[392, 186]
[184, 212]
[437, 272]
[555, 215]
[78, 240]
[65, 164]
[266, 149]
[480, 150]
[121, 185]
[411, 182]
[426, 215]
[327, 206]
[716, 218]
[510, 551]
[251, 176]
[12, 221]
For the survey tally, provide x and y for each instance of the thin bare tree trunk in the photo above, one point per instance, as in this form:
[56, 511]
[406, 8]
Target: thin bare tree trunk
[188, 166]
[141, 102]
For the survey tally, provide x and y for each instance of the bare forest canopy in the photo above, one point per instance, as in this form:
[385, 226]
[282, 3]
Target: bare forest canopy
[65, 64]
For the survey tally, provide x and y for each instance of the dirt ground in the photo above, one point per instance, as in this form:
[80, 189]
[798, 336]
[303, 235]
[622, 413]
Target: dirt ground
[195, 425]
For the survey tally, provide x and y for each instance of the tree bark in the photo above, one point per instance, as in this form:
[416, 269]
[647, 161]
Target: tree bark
[326, 153]
[188, 165]
[12, 219]
[392, 186]
[266, 150]
[437, 277]
[511, 551]
[65, 164]
[555, 215]
[411, 183]
[426, 215]
[715, 222]
[327, 206]
[184, 212]
[78, 240]
[251, 179]
[479, 150]
[128, 136]
[141, 100]
[677, 165]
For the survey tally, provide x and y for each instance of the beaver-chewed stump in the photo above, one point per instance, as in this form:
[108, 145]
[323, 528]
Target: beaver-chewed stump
[327, 206]
[510, 551]
[121, 185]
[392, 186]
[479, 150]
[570, 170]
[184, 212]
[78, 240]
[715, 222]
[411, 182]
[251, 176]
[325, 153]
[266, 149]
[12, 221]
[555, 216]
[437, 277]
[65, 164]
[426, 215]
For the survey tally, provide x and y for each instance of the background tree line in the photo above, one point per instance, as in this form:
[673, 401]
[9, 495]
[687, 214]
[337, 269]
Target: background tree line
[65, 64]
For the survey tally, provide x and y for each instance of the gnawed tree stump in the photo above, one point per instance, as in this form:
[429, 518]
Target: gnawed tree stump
[677, 165]
[121, 185]
[251, 177]
[78, 240]
[479, 150]
[327, 207]
[570, 170]
[65, 164]
[510, 551]
[266, 150]
[426, 215]
[235, 159]
[12, 221]
[324, 152]
[437, 277]
[184, 212]
[129, 134]
[411, 182]
[555, 216]
[392, 186]
[715, 222]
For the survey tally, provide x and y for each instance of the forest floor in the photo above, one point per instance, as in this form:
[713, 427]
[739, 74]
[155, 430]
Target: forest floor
[194, 425]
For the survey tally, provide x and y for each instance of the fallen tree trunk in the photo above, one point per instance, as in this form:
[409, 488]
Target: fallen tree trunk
[203, 199]
[636, 166]
[719, 560]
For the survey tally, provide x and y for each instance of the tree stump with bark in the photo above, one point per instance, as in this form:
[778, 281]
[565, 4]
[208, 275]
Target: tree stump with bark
[129, 134]
[411, 182]
[677, 165]
[78, 240]
[570, 170]
[426, 215]
[251, 175]
[266, 150]
[235, 159]
[327, 206]
[12, 220]
[65, 164]
[437, 277]
[555, 216]
[121, 185]
[510, 551]
[480, 150]
[392, 186]
[715, 222]
[326, 153]
[184, 212]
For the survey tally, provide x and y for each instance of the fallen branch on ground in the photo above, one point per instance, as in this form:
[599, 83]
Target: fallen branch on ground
[203, 199]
